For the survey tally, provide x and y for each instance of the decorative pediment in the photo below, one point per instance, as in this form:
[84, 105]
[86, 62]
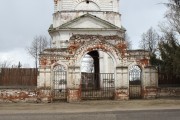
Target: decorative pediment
[88, 21]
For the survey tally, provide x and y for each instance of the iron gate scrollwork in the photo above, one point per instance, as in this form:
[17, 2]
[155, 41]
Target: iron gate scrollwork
[60, 83]
[97, 86]
[135, 82]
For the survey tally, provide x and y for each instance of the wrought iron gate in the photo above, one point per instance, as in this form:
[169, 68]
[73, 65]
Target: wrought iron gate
[97, 86]
[60, 83]
[135, 83]
[135, 91]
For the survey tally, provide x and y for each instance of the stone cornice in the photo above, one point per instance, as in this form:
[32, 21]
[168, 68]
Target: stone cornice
[85, 11]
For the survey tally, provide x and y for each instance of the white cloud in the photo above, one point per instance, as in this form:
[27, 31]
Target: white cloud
[16, 56]
[21, 20]
[138, 16]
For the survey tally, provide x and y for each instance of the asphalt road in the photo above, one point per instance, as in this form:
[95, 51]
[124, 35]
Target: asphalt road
[116, 115]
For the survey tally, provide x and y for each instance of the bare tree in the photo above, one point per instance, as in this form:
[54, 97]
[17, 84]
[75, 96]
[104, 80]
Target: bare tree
[5, 64]
[19, 65]
[149, 40]
[143, 41]
[129, 42]
[37, 46]
[169, 47]
[173, 15]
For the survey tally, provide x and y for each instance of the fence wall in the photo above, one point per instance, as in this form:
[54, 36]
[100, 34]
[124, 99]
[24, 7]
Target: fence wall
[18, 77]
[169, 81]
[169, 92]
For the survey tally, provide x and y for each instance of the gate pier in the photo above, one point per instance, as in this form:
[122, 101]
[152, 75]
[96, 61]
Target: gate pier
[74, 95]
[121, 94]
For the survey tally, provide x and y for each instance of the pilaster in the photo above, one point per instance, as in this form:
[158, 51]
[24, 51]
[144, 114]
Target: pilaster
[74, 91]
[150, 83]
[121, 84]
[74, 95]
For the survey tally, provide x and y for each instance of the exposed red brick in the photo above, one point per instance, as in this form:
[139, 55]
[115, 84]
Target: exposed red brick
[143, 62]
[43, 61]
[122, 47]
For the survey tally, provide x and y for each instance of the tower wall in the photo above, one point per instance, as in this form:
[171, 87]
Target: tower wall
[70, 5]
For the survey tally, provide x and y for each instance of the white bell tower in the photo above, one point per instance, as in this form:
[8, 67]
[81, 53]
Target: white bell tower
[97, 17]
[105, 9]
[100, 5]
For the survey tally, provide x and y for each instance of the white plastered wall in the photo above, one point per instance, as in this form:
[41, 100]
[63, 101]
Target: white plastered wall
[70, 5]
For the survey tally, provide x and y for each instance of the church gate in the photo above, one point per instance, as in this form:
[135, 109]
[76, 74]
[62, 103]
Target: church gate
[85, 27]
[60, 83]
[91, 90]
[96, 82]
[135, 89]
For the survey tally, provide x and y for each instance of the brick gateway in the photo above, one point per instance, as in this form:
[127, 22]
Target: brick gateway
[93, 31]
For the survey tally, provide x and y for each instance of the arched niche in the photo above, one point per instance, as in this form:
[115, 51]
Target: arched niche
[87, 5]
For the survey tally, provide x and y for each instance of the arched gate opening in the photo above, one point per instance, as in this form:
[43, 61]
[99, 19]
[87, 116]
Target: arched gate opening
[135, 89]
[59, 83]
[97, 76]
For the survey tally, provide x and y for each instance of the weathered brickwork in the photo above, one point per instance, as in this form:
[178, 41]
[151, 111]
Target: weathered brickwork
[25, 95]
[121, 94]
[74, 95]
[169, 92]
[150, 92]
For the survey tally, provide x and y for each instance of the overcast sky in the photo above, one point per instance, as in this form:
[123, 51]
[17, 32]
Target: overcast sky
[21, 20]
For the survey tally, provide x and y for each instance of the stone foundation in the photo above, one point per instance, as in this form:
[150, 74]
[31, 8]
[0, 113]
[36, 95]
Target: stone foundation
[150, 92]
[169, 92]
[74, 95]
[121, 94]
[25, 95]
